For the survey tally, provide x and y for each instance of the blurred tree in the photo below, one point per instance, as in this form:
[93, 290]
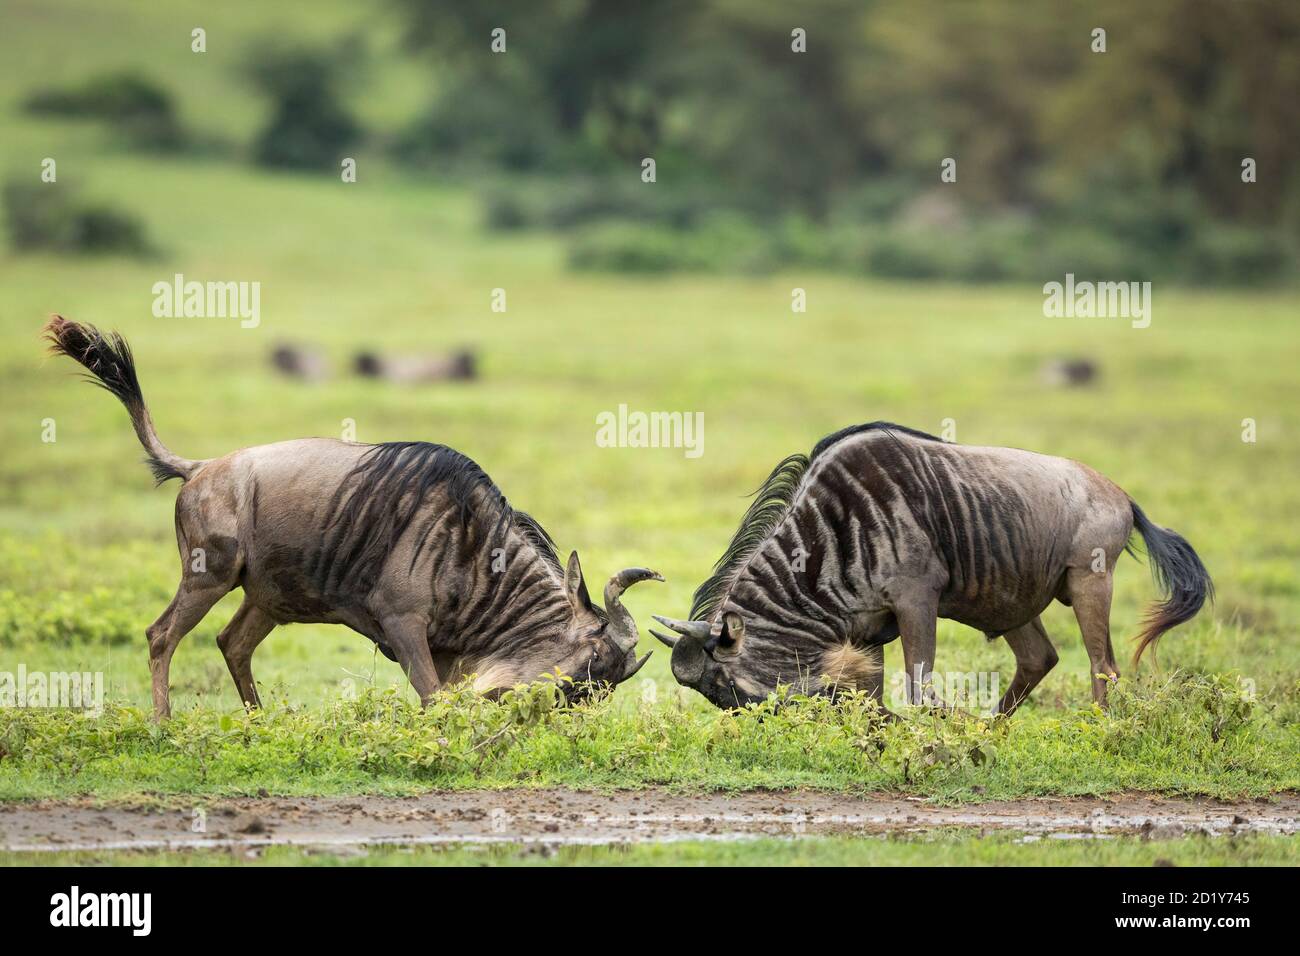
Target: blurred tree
[1187, 89]
[309, 127]
[584, 57]
[1129, 155]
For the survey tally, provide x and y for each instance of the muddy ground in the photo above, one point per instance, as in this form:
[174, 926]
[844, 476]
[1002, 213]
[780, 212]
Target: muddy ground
[576, 817]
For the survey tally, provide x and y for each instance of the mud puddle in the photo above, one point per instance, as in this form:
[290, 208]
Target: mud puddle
[582, 817]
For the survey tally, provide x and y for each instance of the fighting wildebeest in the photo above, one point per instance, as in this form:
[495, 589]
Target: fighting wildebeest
[408, 543]
[881, 531]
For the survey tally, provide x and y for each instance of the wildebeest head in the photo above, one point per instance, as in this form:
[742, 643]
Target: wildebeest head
[712, 659]
[600, 647]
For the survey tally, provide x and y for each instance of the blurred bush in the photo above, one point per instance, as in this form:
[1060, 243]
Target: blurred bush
[997, 250]
[46, 217]
[722, 243]
[1232, 254]
[136, 108]
[94, 616]
[565, 204]
[309, 128]
[498, 124]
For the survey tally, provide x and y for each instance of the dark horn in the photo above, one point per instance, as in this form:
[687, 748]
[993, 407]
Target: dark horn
[664, 638]
[622, 627]
[637, 666]
[696, 629]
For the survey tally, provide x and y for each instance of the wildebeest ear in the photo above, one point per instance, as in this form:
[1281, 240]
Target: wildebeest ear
[732, 636]
[575, 588]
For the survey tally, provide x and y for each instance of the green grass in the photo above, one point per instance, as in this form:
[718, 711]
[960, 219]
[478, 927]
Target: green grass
[944, 849]
[1188, 735]
[401, 262]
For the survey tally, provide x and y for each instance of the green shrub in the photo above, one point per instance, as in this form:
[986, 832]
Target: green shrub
[907, 254]
[584, 201]
[1199, 714]
[638, 249]
[309, 127]
[1234, 254]
[66, 617]
[50, 218]
[1085, 251]
[722, 243]
[506, 211]
[1185, 734]
[136, 107]
[497, 124]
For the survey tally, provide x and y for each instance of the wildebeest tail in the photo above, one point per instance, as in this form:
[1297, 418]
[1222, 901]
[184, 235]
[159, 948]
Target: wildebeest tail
[1178, 572]
[108, 359]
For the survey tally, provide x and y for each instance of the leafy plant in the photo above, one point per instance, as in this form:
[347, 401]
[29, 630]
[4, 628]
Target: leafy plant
[309, 127]
[134, 107]
[49, 218]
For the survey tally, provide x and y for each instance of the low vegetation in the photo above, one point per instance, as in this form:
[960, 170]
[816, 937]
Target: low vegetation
[134, 108]
[1179, 734]
[43, 218]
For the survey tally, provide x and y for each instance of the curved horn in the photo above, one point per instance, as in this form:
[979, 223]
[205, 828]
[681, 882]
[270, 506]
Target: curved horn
[666, 640]
[696, 629]
[621, 626]
[637, 666]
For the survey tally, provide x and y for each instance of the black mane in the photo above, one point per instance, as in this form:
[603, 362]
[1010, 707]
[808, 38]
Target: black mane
[851, 430]
[381, 496]
[772, 501]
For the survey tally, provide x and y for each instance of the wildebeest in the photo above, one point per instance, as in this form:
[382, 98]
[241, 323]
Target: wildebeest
[881, 531]
[409, 543]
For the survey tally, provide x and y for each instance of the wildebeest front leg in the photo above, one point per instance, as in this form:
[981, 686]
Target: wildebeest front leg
[875, 686]
[1035, 656]
[918, 617]
[408, 636]
[237, 640]
[1090, 593]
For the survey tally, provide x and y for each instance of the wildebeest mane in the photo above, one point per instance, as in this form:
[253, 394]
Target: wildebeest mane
[772, 502]
[837, 437]
[383, 494]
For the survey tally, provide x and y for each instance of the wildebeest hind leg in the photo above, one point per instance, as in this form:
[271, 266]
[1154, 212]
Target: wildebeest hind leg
[408, 637]
[191, 602]
[1035, 656]
[1090, 593]
[237, 640]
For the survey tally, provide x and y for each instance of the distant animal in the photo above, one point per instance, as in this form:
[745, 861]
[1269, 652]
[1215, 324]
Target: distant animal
[881, 531]
[408, 543]
[1072, 372]
[458, 366]
[298, 362]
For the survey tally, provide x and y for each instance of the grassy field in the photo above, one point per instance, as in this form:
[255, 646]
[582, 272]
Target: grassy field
[401, 262]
